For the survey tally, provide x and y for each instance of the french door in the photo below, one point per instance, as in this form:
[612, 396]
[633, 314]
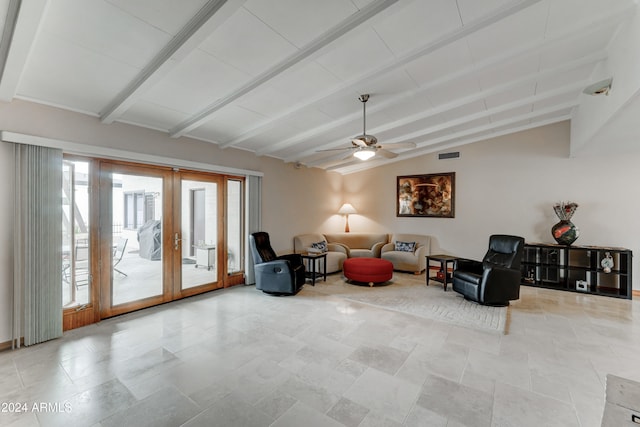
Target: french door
[198, 243]
[162, 236]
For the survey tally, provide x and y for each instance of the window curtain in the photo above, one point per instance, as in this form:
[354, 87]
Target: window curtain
[254, 221]
[37, 270]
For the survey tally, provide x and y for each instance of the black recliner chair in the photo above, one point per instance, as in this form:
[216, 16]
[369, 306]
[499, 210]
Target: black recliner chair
[495, 280]
[277, 275]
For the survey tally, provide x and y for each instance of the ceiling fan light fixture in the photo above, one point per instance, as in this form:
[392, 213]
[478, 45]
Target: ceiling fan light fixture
[364, 153]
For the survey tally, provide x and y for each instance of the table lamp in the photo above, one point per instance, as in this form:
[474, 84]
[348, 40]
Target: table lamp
[345, 210]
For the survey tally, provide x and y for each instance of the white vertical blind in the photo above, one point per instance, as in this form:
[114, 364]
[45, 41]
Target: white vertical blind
[37, 273]
[254, 221]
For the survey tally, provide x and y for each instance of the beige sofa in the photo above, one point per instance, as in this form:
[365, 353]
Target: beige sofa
[342, 246]
[336, 253]
[359, 244]
[408, 261]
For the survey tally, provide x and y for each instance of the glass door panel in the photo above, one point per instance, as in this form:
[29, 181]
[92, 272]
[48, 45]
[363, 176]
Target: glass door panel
[136, 244]
[75, 234]
[235, 248]
[162, 235]
[199, 231]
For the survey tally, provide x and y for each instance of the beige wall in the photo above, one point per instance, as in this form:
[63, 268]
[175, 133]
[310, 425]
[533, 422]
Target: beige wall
[298, 201]
[508, 185]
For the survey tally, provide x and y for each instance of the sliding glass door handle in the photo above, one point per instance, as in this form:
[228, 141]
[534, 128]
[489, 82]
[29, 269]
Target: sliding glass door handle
[176, 241]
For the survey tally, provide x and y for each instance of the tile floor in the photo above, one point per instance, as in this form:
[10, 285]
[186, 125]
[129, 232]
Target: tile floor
[237, 357]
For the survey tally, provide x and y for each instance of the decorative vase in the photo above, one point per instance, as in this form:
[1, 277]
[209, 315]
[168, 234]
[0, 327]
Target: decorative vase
[565, 232]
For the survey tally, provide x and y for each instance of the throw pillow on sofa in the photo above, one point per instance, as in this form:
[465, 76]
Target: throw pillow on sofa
[405, 246]
[320, 246]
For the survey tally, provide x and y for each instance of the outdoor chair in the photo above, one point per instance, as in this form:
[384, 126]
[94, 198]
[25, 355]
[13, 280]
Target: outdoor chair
[118, 253]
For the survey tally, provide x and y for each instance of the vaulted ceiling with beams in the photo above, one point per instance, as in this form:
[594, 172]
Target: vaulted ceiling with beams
[282, 78]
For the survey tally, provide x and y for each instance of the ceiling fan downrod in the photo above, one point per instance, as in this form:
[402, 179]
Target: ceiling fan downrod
[364, 98]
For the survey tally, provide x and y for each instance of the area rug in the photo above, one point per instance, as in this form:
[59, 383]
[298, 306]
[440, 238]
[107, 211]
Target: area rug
[407, 293]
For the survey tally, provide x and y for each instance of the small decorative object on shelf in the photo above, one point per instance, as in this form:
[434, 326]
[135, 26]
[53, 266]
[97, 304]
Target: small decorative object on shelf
[565, 232]
[607, 262]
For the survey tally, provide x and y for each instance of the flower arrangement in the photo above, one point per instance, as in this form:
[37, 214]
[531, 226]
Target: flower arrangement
[565, 210]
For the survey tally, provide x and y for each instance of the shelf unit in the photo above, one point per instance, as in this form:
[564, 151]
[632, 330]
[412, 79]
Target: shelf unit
[567, 267]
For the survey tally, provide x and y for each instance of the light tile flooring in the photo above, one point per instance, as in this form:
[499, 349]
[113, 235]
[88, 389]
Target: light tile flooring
[238, 357]
[144, 279]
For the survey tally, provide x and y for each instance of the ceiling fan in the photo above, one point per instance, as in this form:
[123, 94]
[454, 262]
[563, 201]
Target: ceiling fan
[366, 146]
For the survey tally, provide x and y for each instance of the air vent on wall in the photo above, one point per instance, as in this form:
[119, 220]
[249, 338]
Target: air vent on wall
[452, 155]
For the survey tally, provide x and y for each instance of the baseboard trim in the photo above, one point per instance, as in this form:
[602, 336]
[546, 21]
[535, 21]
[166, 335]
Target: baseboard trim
[7, 344]
[635, 293]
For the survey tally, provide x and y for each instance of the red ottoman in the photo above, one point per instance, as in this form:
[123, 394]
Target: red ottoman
[372, 270]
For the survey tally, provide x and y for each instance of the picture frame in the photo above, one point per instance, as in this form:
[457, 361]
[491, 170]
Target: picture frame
[426, 196]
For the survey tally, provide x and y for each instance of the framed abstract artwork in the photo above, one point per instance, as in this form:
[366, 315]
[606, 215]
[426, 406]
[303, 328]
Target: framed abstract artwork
[428, 196]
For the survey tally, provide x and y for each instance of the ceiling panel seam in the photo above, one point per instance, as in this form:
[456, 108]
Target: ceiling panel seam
[505, 57]
[490, 126]
[303, 54]
[411, 56]
[596, 57]
[531, 100]
[187, 40]
[21, 27]
[360, 166]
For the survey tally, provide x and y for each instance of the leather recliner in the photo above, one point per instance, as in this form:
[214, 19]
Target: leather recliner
[277, 275]
[496, 279]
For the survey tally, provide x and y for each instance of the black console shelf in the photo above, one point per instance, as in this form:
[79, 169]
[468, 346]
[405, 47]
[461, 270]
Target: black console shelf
[577, 269]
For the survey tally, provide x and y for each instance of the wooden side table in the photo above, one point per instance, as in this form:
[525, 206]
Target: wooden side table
[442, 275]
[312, 271]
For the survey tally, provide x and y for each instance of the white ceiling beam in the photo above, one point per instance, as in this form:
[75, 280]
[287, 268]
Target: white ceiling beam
[359, 166]
[460, 102]
[575, 88]
[488, 127]
[573, 33]
[439, 142]
[306, 53]
[442, 147]
[423, 133]
[199, 27]
[447, 39]
[20, 30]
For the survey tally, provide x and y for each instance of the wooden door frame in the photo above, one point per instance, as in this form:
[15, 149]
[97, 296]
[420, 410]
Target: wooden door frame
[107, 168]
[101, 235]
[188, 175]
[238, 277]
[86, 314]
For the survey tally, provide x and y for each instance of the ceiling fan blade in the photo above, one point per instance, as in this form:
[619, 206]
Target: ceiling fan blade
[399, 145]
[359, 142]
[336, 157]
[335, 149]
[386, 153]
[347, 156]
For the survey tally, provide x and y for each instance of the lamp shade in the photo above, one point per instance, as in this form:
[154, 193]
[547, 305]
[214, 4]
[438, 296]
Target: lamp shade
[347, 209]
